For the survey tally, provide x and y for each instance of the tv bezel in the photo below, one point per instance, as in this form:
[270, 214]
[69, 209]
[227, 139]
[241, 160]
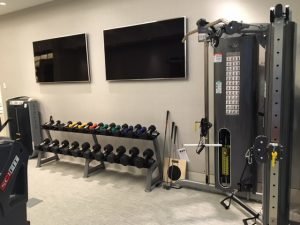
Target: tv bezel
[161, 78]
[87, 57]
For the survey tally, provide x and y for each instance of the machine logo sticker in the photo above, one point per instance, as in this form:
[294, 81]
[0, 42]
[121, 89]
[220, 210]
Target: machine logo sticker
[9, 174]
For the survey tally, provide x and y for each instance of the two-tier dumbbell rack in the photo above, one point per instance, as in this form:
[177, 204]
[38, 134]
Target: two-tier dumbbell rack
[153, 179]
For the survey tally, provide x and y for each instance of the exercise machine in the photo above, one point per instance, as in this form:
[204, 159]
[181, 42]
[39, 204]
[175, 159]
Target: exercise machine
[251, 126]
[25, 124]
[13, 181]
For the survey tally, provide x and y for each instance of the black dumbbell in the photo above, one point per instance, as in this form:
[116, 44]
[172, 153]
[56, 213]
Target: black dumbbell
[150, 133]
[148, 154]
[89, 154]
[78, 152]
[68, 151]
[48, 124]
[126, 160]
[57, 149]
[44, 145]
[55, 125]
[53, 144]
[115, 158]
[102, 156]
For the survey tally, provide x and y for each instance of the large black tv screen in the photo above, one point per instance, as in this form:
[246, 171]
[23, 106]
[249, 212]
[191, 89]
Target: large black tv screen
[146, 51]
[63, 59]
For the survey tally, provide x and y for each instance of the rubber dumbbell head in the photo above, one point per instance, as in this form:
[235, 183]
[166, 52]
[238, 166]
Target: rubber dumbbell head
[78, 152]
[42, 146]
[53, 144]
[148, 154]
[89, 154]
[126, 160]
[55, 125]
[57, 149]
[115, 158]
[102, 156]
[68, 151]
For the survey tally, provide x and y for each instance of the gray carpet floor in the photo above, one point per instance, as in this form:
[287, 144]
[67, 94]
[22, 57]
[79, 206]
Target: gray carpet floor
[60, 196]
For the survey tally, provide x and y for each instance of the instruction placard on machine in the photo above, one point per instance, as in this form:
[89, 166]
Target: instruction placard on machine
[233, 83]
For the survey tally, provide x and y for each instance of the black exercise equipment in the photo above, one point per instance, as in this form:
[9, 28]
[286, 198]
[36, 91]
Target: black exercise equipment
[13, 181]
[126, 160]
[115, 158]
[68, 151]
[78, 152]
[52, 144]
[57, 149]
[90, 153]
[102, 156]
[44, 145]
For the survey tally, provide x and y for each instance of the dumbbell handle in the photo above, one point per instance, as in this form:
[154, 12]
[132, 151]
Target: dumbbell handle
[47, 141]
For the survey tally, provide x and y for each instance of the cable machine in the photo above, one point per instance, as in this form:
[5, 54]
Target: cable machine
[241, 145]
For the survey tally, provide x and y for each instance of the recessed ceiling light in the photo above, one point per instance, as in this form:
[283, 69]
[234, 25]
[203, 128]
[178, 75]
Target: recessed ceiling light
[2, 3]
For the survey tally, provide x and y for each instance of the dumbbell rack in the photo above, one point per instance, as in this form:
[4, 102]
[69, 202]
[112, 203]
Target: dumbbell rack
[151, 180]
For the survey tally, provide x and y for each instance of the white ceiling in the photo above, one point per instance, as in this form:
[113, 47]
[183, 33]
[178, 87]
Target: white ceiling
[16, 5]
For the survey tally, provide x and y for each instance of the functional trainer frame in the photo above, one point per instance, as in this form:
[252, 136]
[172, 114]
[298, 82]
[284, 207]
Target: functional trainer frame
[278, 39]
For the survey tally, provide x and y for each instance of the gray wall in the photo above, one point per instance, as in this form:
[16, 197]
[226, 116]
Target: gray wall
[132, 101]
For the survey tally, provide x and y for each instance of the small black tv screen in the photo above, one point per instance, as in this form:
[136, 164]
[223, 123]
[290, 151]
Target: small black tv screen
[63, 59]
[146, 51]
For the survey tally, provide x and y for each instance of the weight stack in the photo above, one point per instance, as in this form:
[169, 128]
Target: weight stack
[235, 103]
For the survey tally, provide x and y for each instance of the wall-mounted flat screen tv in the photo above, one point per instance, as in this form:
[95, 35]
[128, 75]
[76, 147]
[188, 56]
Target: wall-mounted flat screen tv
[146, 51]
[63, 59]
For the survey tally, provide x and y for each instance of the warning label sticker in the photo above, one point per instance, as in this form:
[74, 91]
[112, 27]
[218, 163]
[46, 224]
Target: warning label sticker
[218, 57]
